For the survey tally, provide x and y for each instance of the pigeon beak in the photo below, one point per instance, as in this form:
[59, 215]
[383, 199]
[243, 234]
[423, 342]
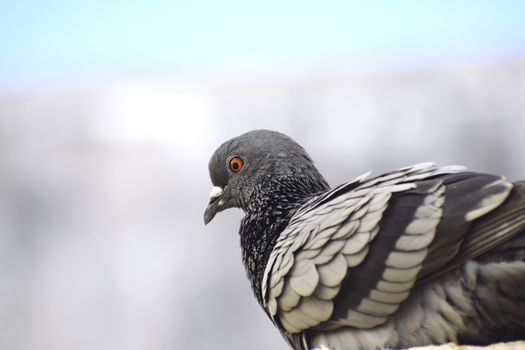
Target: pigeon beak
[213, 206]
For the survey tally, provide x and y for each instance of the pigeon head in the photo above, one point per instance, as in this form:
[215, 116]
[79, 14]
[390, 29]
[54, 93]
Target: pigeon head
[248, 161]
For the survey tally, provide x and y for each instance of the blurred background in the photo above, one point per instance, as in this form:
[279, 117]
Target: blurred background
[109, 112]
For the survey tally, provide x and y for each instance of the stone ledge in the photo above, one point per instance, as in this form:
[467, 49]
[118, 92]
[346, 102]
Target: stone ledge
[517, 345]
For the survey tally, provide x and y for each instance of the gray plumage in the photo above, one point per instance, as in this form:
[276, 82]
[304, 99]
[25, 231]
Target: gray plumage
[421, 255]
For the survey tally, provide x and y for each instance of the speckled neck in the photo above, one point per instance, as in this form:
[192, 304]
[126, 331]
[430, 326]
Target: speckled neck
[272, 204]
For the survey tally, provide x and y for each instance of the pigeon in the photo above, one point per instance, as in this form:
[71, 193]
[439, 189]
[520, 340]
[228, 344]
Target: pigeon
[421, 255]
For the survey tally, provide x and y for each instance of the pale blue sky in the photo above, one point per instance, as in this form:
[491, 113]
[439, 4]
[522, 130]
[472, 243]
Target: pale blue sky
[63, 42]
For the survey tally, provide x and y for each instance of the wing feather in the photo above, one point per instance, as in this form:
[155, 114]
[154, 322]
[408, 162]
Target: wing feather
[332, 274]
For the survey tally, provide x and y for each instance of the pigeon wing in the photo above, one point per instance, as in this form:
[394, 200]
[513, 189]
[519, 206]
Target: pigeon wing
[351, 256]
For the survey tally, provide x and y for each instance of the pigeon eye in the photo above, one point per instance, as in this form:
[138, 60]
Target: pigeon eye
[236, 164]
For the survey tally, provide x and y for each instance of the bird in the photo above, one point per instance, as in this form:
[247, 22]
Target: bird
[422, 255]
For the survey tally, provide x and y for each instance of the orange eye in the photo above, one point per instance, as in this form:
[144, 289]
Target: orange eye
[236, 164]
